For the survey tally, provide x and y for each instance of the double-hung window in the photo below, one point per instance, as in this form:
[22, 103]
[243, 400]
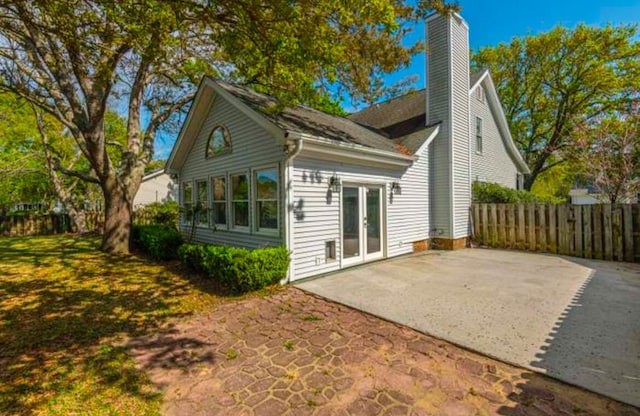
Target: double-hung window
[187, 201]
[266, 199]
[240, 201]
[203, 203]
[219, 193]
[478, 135]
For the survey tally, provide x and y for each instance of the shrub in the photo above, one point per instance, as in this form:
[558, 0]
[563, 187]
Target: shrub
[159, 241]
[239, 269]
[164, 213]
[493, 193]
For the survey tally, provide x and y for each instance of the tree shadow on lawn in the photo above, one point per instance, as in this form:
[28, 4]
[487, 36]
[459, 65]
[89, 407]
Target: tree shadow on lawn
[66, 311]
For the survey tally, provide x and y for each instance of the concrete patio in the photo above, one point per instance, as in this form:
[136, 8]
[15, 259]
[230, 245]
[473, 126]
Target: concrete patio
[576, 320]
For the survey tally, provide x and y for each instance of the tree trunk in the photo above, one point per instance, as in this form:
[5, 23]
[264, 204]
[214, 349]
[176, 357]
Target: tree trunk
[78, 220]
[117, 221]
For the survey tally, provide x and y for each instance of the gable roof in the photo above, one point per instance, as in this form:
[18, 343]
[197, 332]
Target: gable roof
[153, 174]
[299, 120]
[399, 115]
[484, 79]
[403, 115]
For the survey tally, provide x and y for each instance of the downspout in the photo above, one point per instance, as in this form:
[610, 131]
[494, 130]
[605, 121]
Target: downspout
[289, 202]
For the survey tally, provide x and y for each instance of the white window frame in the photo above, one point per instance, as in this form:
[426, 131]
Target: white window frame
[183, 217]
[205, 205]
[212, 202]
[231, 217]
[479, 149]
[226, 137]
[254, 202]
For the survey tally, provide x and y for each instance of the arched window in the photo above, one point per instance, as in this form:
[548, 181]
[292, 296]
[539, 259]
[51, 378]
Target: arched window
[219, 142]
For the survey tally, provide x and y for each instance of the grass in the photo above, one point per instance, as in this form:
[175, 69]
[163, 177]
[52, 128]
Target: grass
[66, 311]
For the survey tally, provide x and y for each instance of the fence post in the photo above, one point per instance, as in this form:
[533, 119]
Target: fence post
[586, 221]
[542, 224]
[627, 218]
[608, 232]
[577, 214]
[502, 230]
[618, 233]
[521, 240]
[511, 230]
[485, 225]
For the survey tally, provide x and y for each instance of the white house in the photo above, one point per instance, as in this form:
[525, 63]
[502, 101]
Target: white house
[155, 187]
[388, 180]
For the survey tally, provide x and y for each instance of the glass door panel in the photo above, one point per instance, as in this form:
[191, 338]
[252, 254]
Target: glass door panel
[350, 222]
[373, 221]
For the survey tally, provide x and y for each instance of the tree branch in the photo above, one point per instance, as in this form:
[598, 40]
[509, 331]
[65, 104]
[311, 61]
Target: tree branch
[80, 175]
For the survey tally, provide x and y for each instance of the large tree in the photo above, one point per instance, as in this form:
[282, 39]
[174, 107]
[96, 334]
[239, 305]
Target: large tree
[609, 151]
[23, 177]
[72, 59]
[552, 83]
[35, 153]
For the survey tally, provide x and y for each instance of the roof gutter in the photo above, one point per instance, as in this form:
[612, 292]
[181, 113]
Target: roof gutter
[328, 147]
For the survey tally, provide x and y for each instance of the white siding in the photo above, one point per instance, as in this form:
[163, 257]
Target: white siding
[156, 189]
[494, 164]
[317, 211]
[448, 103]
[460, 126]
[252, 147]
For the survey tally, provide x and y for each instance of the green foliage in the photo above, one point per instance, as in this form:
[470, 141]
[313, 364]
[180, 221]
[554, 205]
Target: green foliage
[154, 165]
[493, 193]
[159, 241]
[239, 269]
[163, 213]
[23, 176]
[552, 83]
[557, 181]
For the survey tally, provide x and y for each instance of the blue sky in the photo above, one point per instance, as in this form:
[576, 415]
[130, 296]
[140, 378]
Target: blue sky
[493, 22]
[497, 21]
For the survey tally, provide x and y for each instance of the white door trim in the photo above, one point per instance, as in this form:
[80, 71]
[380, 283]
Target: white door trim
[363, 257]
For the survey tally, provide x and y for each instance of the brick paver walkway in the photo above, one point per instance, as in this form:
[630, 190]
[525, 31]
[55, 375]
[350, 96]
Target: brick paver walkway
[296, 354]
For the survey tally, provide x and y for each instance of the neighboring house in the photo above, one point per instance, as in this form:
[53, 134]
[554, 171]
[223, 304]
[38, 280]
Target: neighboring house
[389, 180]
[155, 187]
[590, 196]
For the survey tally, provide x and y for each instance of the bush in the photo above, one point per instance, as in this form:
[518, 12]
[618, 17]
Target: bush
[239, 269]
[164, 213]
[493, 193]
[159, 241]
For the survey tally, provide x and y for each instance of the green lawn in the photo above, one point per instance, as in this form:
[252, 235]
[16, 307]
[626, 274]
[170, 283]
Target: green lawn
[65, 310]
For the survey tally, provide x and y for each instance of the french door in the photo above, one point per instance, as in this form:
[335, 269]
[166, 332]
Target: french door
[362, 223]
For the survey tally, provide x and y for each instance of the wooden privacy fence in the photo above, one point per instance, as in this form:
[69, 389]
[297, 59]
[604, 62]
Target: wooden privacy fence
[47, 224]
[605, 232]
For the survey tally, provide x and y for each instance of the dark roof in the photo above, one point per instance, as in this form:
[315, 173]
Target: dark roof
[396, 111]
[401, 115]
[307, 120]
[475, 77]
[413, 141]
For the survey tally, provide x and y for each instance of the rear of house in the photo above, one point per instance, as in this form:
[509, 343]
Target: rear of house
[389, 180]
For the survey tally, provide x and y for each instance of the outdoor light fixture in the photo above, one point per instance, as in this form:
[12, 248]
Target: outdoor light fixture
[395, 188]
[334, 183]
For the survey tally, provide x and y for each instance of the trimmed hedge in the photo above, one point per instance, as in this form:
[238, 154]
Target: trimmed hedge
[493, 193]
[239, 269]
[159, 241]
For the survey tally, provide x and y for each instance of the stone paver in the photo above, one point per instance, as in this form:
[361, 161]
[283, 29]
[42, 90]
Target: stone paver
[293, 353]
